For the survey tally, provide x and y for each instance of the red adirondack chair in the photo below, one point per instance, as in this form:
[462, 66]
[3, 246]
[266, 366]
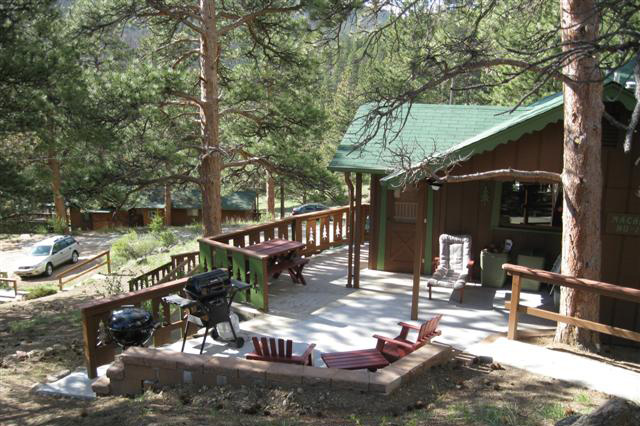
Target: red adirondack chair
[396, 348]
[268, 350]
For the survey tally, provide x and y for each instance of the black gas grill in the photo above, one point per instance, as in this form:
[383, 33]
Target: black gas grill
[209, 298]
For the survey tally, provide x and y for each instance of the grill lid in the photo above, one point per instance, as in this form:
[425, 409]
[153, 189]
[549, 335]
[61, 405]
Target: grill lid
[130, 318]
[208, 285]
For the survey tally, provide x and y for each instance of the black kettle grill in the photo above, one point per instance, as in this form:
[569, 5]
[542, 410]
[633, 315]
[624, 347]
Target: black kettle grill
[130, 326]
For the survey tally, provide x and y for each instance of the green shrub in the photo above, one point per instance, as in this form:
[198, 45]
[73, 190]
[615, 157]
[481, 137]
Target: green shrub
[167, 238]
[157, 224]
[57, 225]
[40, 292]
[134, 246]
[41, 229]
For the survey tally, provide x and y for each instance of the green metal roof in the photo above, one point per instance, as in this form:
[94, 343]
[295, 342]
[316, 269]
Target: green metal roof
[428, 128]
[191, 198]
[458, 130]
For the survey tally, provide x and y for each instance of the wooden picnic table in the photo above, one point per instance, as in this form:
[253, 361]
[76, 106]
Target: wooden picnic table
[371, 359]
[284, 255]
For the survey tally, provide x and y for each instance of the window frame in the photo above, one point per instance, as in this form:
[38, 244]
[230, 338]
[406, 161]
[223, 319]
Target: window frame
[496, 214]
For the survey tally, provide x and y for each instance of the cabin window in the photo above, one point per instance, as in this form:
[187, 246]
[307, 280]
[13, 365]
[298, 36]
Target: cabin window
[405, 211]
[531, 205]
[192, 212]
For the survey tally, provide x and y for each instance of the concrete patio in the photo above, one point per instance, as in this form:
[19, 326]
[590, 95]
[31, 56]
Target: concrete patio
[337, 318]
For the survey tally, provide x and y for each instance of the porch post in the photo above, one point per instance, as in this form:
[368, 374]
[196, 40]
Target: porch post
[347, 179]
[418, 252]
[358, 232]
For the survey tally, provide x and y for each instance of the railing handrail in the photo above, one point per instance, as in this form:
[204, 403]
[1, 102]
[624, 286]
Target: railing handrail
[153, 271]
[100, 306]
[602, 288]
[232, 248]
[257, 228]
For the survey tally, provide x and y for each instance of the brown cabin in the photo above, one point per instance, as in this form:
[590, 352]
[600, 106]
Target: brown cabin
[485, 138]
[186, 209]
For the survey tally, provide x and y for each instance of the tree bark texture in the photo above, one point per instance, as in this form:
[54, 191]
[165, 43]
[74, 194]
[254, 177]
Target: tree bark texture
[56, 185]
[282, 201]
[582, 171]
[167, 205]
[211, 164]
[271, 195]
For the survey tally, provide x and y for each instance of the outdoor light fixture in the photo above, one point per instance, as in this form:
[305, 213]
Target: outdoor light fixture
[435, 185]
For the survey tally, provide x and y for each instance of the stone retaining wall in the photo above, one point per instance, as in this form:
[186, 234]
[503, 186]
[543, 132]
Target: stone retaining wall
[137, 366]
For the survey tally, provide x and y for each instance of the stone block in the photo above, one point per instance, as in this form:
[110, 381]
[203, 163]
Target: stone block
[139, 372]
[126, 387]
[251, 372]
[116, 370]
[281, 373]
[101, 386]
[317, 376]
[149, 357]
[385, 380]
[351, 379]
[168, 376]
[190, 362]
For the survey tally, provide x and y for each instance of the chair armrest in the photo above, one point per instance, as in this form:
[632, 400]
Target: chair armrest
[393, 341]
[309, 350]
[411, 326]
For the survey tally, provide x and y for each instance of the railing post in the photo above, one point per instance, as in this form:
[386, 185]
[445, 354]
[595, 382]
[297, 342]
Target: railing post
[90, 335]
[513, 312]
[109, 262]
[265, 284]
[298, 230]
[60, 282]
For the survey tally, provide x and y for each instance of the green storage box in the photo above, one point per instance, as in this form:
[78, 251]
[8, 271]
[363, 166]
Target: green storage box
[492, 274]
[534, 262]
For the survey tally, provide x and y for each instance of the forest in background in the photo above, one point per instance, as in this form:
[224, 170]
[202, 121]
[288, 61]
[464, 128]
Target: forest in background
[88, 115]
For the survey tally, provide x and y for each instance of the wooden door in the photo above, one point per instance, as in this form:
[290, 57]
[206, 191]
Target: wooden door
[402, 208]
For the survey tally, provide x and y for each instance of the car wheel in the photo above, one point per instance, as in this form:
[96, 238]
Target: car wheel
[74, 257]
[48, 270]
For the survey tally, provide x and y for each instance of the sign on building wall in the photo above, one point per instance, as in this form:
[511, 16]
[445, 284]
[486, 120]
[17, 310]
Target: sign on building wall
[623, 224]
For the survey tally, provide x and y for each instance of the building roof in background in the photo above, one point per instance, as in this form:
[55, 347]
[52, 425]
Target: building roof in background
[191, 198]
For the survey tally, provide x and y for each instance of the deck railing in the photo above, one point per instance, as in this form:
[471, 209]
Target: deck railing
[604, 289]
[179, 265]
[95, 317]
[319, 231]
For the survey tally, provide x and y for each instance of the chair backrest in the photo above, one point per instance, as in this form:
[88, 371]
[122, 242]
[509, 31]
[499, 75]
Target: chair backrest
[268, 349]
[428, 328]
[455, 251]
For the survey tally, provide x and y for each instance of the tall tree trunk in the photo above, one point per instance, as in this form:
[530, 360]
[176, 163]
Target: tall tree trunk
[211, 165]
[582, 171]
[271, 195]
[56, 185]
[282, 200]
[168, 207]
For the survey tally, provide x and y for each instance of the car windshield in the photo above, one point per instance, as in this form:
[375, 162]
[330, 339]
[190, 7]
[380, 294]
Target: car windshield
[40, 251]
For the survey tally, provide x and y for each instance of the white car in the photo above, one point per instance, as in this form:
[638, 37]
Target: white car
[47, 254]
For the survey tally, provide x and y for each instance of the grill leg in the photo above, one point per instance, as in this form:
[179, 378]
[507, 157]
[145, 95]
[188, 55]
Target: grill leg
[204, 339]
[184, 338]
